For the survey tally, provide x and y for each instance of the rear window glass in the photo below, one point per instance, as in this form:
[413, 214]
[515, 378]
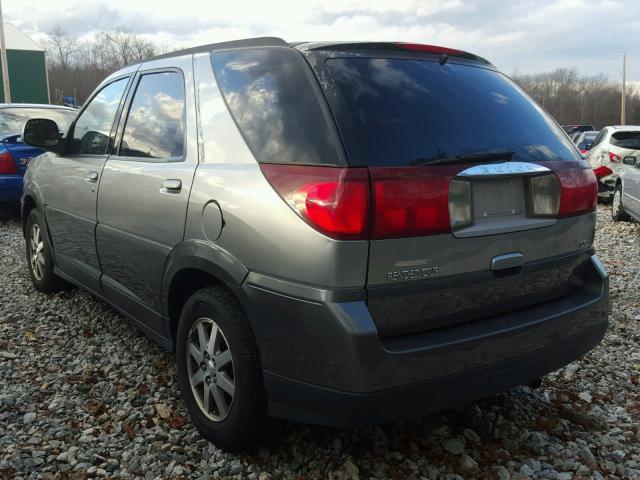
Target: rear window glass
[626, 140]
[398, 112]
[270, 95]
[12, 120]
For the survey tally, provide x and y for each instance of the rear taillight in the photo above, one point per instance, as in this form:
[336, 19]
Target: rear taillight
[410, 201]
[614, 158]
[544, 195]
[7, 165]
[602, 171]
[579, 191]
[335, 201]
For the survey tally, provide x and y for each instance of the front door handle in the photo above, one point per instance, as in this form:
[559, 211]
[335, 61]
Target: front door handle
[171, 185]
[91, 177]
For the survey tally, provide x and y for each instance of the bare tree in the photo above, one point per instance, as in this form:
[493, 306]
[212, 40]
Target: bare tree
[61, 47]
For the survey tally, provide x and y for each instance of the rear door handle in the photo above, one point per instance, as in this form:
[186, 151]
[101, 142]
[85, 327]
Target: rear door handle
[171, 185]
[91, 177]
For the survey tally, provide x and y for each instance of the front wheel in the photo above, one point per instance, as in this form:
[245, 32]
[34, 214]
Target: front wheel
[219, 370]
[39, 257]
[617, 208]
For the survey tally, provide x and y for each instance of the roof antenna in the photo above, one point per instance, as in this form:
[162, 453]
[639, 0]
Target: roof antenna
[443, 58]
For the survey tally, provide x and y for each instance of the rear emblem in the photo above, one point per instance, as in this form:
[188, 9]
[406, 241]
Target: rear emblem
[421, 270]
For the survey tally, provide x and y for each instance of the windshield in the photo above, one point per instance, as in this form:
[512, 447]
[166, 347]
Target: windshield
[13, 119]
[626, 140]
[397, 112]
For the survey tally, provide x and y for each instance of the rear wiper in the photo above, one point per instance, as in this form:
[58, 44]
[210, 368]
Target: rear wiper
[489, 155]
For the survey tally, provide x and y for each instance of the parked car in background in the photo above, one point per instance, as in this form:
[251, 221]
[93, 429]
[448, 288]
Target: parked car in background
[312, 264]
[613, 152]
[571, 129]
[14, 154]
[626, 194]
[583, 140]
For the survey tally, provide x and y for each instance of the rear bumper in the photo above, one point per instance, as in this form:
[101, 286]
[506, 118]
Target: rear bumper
[325, 363]
[10, 187]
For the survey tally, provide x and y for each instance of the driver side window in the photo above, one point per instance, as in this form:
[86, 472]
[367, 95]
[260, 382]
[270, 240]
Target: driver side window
[92, 130]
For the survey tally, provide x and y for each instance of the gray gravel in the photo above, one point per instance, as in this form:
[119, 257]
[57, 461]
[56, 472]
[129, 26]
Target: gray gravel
[83, 394]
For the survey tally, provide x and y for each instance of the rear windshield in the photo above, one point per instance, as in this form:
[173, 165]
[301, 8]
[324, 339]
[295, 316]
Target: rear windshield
[398, 112]
[626, 140]
[271, 96]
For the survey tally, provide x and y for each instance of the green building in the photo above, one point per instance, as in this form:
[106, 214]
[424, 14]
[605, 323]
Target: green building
[27, 68]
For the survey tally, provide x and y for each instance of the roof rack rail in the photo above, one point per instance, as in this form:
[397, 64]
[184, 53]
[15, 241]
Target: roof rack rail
[245, 42]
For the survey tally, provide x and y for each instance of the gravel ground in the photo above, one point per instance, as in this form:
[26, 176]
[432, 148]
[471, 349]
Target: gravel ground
[83, 394]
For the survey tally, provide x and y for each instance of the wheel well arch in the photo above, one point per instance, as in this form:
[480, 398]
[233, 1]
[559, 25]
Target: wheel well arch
[185, 283]
[28, 204]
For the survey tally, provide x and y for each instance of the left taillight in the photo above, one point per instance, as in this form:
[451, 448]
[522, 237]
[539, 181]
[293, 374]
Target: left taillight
[7, 165]
[333, 200]
[614, 158]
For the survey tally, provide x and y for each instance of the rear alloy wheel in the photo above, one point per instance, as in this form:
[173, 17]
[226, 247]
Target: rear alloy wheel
[210, 369]
[39, 257]
[617, 208]
[219, 370]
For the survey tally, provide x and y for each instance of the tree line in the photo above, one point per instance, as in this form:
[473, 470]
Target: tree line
[76, 67]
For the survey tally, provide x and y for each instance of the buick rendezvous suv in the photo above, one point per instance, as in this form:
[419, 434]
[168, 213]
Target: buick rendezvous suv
[332, 233]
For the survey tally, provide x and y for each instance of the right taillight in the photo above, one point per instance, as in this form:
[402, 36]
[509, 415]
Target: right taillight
[7, 165]
[544, 195]
[578, 191]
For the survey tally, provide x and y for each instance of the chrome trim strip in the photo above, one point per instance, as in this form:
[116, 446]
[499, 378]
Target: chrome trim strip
[504, 168]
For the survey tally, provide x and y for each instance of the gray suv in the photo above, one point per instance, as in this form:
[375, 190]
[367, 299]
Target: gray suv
[333, 233]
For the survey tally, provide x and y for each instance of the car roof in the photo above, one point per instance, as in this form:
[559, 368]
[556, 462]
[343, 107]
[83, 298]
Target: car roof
[35, 105]
[619, 128]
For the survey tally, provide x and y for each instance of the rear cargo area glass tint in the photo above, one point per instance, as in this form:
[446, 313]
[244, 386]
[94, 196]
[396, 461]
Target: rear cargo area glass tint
[271, 97]
[402, 112]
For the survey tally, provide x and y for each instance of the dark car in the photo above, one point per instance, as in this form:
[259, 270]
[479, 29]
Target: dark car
[571, 129]
[334, 233]
[14, 154]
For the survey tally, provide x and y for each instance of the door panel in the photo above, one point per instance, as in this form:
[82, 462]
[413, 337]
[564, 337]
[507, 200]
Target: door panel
[144, 190]
[71, 185]
[631, 190]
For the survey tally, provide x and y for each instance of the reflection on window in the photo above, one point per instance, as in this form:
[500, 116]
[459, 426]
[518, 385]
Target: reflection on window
[155, 125]
[12, 120]
[275, 106]
[91, 131]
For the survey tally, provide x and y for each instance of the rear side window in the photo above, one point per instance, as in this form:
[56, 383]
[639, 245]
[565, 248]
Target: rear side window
[626, 140]
[272, 99]
[400, 112]
[155, 124]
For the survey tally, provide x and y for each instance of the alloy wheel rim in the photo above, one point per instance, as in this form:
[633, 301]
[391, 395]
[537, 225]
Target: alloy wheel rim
[210, 369]
[36, 255]
[615, 207]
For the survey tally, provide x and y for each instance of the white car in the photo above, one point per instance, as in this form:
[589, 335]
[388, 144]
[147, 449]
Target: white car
[626, 195]
[613, 152]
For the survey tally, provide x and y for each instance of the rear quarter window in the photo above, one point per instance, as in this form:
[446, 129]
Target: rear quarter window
[272, 97]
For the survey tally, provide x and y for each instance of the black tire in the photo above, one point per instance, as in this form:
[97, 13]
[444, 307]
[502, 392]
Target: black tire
[42, 278]
[245, 422]
[618, 213]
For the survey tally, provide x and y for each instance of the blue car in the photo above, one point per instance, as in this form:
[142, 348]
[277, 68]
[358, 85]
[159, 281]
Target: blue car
[15, 155]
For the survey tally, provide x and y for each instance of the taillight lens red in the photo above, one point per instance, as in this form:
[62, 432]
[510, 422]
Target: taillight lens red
[614, 158]
[7, 165]
[410, 201]
[602, 171]
[334, 201]
[578, 191]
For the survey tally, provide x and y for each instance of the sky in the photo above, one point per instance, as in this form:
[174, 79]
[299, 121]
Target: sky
[525, 36]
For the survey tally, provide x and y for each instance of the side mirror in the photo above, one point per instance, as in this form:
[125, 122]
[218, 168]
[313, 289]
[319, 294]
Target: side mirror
[629, 160]
[41, 132]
